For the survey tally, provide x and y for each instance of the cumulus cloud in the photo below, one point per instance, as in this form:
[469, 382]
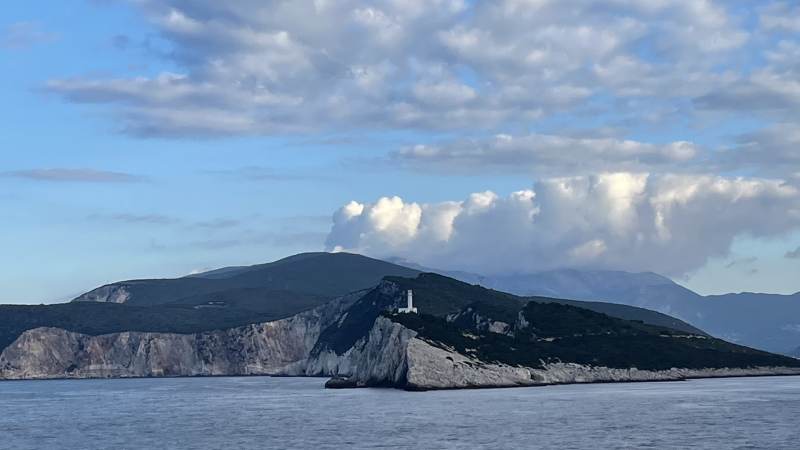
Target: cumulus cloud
[275, 66]
[548, 154]
[670, 224]
[74, 175]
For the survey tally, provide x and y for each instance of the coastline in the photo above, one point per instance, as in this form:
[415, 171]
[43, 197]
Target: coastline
[654, 377]
[688, 378]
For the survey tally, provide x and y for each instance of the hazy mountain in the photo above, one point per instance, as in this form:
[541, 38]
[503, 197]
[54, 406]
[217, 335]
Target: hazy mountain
[767, 321]
[627, 312]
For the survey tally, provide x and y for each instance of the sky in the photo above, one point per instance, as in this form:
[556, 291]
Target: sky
[144, 138]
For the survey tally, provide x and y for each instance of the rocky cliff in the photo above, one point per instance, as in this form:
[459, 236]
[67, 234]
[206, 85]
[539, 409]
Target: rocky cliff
[394, 356]
[272, 348]
[465, 337]
[110, 293]
[377, 359]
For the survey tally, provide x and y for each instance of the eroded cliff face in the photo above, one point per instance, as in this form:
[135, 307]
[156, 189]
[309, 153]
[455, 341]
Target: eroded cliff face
[110, 293]
[377, 359]
[377, 352]
[273, 348]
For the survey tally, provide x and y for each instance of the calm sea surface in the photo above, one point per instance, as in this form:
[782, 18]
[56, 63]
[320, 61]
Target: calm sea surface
[256, 412]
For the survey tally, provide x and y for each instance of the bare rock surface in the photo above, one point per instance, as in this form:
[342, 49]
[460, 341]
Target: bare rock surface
[110, 293]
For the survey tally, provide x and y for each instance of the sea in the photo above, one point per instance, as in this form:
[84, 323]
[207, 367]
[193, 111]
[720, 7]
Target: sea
[298, 413]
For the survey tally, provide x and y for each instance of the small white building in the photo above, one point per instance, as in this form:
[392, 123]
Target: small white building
[410, 308]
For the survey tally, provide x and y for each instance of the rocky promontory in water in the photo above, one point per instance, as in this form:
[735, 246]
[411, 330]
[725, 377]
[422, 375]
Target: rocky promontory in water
[469, 337]
[463, 336]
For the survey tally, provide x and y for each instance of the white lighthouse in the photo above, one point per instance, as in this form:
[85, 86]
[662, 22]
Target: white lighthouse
[410, 308]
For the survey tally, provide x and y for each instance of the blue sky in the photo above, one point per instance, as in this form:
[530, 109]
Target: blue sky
[152, 139]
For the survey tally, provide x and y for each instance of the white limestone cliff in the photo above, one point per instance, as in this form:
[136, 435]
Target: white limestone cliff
[389, 354]
[392, 355]
[272, 348]
[110, 293]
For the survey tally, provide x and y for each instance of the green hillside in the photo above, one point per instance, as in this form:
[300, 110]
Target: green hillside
[604, 342]
[459, 315]
[235, 296]
[307, 275]
[103, 318]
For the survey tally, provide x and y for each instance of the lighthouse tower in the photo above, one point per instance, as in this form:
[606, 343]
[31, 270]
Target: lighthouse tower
[410, 308]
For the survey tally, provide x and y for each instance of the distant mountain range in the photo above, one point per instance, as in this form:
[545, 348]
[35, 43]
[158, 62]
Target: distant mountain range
[767, 321]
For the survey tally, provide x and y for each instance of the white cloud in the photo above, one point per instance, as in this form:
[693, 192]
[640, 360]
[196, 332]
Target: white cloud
[771, 85]
[670, 224]
[547, 154]
[270, 67]
[526, 71]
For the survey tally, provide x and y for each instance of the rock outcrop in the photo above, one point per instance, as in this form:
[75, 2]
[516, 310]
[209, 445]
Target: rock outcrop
[377, 359]
[110, 293]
